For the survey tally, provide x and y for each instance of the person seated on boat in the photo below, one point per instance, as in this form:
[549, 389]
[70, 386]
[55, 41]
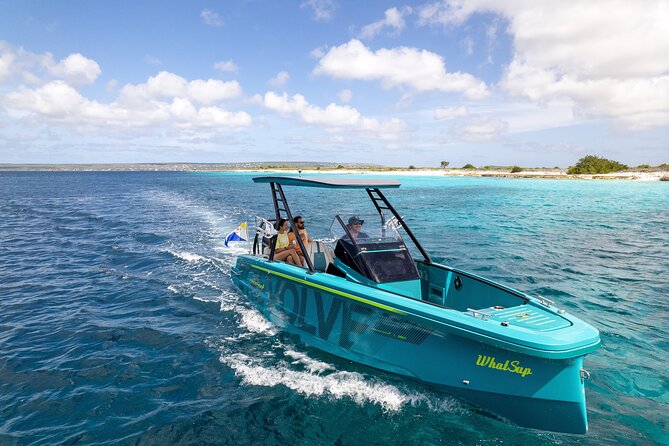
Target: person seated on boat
[284, 250]
[354, 227]
[344, 249]
[299, 223]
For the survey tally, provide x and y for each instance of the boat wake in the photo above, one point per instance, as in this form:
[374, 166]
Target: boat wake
[186, 256]
[286, 366]
[259, 357]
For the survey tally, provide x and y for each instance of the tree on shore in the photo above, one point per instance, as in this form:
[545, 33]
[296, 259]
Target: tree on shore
[444, 164]
[594, 164]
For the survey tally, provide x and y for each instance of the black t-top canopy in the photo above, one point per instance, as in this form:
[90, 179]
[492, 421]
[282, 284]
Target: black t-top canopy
[330, 182]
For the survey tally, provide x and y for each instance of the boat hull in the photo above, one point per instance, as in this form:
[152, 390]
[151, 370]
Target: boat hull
[528, 390]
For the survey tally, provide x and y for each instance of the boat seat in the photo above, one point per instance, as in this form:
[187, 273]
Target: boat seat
[320, 254]
[266, 244]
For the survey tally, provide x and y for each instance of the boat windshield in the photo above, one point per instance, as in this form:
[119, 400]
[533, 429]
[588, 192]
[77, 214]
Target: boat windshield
[373, 248]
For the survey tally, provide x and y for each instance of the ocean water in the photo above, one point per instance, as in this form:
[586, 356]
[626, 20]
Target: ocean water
[119, 323]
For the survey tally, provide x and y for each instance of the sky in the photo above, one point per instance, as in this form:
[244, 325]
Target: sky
[486, 82]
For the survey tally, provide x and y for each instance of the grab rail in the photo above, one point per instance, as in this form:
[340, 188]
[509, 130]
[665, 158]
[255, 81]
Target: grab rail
[480, 314]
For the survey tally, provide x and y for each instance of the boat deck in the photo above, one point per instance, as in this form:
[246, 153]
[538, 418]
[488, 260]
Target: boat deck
[525, 316]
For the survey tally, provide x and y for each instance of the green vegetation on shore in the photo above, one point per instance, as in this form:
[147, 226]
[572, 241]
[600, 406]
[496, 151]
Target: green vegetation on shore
[594, 165]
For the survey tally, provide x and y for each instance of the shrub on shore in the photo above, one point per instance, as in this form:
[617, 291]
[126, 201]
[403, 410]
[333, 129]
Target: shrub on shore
[594, 164]
[516, 169]
[468, 166]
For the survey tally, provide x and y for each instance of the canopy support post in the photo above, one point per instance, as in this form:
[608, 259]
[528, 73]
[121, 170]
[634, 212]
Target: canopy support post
[386, 205]
[279, 197]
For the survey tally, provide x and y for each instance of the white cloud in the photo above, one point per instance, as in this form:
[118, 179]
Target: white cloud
[319, 52]
[17, 64]
[334, 117]
[393, 18]
[280, 79]
[55, 99]
[421, 70]
[7, 59]
[481, 129]
[76, 69]
[226, 66]
[345, 95]
[608, 56]
[212, 91]
[112, 85]
[166, 85]
[211, 18]
[451, 112]
[152, 60]
[165, 101]
[58, 102]
[468, 45]
[323, 10]
[491, 37]
[524, 117]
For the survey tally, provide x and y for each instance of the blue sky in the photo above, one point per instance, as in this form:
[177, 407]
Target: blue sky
[488, 82]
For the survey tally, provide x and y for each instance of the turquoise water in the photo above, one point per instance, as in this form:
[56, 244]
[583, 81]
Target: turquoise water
[119, 322]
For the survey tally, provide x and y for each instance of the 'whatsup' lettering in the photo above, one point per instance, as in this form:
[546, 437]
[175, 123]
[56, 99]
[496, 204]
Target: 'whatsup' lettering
[506, 366]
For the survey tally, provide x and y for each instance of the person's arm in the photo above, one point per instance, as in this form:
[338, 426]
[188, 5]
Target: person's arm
[292, 241]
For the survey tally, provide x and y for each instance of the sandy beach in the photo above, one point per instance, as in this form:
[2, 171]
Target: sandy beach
[559, 174]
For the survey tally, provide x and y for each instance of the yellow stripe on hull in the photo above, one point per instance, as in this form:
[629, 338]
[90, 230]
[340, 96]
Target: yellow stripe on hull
[331, 290]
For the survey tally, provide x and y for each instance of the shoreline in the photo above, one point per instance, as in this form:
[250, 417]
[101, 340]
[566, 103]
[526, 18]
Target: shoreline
[527, 173]
[550, 174]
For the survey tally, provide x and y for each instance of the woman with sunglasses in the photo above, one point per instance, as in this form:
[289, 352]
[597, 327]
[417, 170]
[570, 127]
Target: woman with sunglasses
[284, 250]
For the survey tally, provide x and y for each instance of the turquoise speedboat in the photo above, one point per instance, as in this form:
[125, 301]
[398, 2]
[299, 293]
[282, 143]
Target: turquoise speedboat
[369, 301]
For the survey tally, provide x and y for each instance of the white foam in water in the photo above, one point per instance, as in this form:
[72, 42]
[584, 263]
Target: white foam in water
[213, 219]
[312, 377]
[233, 248]
[255, 322]
[306, 375]
[435, 402]
[251, 319]
[187, 256]
[339, 384]
[313, 365]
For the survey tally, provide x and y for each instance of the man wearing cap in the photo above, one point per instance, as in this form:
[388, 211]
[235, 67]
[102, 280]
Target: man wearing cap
[355, 228]
[344, 249]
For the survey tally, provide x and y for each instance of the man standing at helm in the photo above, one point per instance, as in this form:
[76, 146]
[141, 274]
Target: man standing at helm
[299, 224]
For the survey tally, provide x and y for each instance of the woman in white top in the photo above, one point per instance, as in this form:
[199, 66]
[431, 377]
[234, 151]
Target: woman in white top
[284, 250]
